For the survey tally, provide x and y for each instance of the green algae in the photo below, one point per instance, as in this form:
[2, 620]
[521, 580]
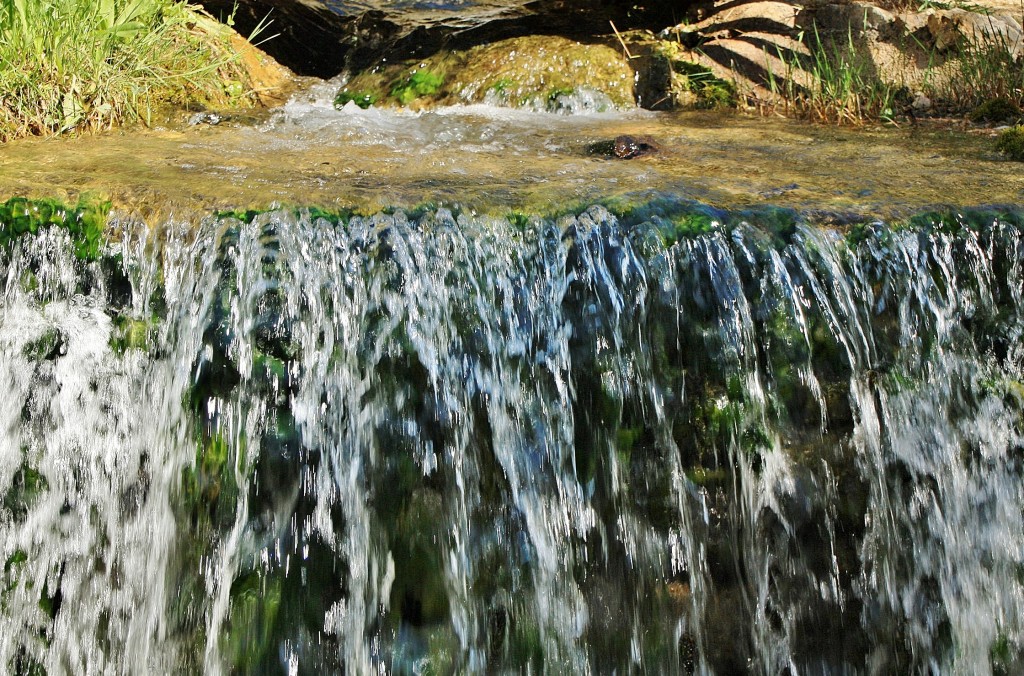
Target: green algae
[419, 83]
[48, 346]
[361, 98]
[27, 486]
[709, 91]
[132, 334]
[255, 605]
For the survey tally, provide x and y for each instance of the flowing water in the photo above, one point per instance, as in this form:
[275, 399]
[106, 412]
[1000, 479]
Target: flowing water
[496, 159]
[483, 403]
[440, 442]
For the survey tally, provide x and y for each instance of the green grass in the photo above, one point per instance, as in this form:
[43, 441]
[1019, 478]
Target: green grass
[842, 88]
[981, 79]
[982, 71]
[88, 64]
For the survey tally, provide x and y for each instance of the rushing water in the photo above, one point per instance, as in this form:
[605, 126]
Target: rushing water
[439, 443]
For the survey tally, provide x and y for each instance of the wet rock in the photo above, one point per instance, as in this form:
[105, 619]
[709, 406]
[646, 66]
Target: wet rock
[538, 72]
[48, 347]
[206, 117]
[624, 147]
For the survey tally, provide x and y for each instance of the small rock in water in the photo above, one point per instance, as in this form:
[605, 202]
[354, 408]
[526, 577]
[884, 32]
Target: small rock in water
[205, 118]
[624, 147]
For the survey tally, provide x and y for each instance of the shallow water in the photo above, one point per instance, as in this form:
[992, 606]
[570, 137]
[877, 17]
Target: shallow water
[493, 159]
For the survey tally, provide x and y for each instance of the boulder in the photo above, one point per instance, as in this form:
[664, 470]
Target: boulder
[540, 72]
[950, 28]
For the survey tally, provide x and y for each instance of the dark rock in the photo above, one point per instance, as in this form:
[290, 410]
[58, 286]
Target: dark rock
[624, 147]
[308, 38]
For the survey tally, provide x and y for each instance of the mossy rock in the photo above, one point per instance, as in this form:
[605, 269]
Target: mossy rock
[541, 72]
[999, 109]
[131, 334]
[709, 91]
[84, 221]
[1011, 143]
[47, 347]
[249, 638]
[26, 487]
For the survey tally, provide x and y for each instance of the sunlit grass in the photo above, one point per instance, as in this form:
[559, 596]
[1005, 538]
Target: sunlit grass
[88, 64]
[833, 83]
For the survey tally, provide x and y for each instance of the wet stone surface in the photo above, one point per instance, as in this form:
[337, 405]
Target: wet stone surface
[624, 147]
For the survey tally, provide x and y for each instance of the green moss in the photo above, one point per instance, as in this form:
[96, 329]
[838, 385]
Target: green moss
[502, 85]
[84, 222]
[526, 647]
[858, 233]
[255, 602]
[209, 488]
[48, 346]
[998, 109]
[339, 216]
[442, 650]
[711, 91]
[704, 477]
[419, 83]
[12, 569]
[1006, 656]
[1011, 143]
[361, 98]
[131, 334]
[958, 222]
[534, 71]
[625, 440]
[518, 219]
[26, 487]
[689, 226]
[555, 92]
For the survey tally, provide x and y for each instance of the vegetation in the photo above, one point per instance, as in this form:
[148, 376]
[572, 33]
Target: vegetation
[1011, 143]
[840, 86]
[836, 82]
[84, 221]
[982, 72]
[999, 109]
[89, 64]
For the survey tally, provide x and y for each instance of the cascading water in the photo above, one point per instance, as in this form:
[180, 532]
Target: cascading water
[301, 443]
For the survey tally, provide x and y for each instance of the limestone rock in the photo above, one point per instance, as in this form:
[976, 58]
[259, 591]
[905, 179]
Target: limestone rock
[948, 28]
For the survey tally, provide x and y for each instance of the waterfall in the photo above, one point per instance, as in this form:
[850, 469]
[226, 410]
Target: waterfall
[674, 440]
